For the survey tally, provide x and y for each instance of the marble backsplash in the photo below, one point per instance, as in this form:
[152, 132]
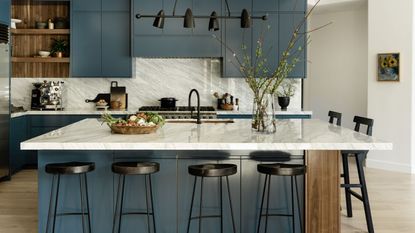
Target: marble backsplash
[152, 80]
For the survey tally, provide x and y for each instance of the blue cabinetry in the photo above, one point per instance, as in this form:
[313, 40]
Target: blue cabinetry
[86, 44]
[5, 11]
[101, 38]
[287, 25]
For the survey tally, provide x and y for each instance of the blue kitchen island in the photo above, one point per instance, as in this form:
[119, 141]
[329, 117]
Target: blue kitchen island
[178, 145]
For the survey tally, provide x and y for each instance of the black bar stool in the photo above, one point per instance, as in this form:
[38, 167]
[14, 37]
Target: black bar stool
[360, 157]
[72, 168]
[134, 168]
[211, 170]
[278, 169]
[335, 115]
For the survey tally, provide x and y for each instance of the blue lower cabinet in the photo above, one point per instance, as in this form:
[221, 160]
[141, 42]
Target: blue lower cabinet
[18, 133]
[5, 11]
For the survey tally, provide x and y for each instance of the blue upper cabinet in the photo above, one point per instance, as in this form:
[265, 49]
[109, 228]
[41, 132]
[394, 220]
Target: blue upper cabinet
[287, 25]
[116, 5]
[267, 32]
[5, 11]
[89, 5]
[116, 58]
[236, 6]
[236, 38]
[292, 5]
[101, 39]
[265, 5]
[86, 46]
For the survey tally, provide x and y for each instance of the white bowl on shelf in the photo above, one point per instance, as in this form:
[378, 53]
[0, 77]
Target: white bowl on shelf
[44, 53]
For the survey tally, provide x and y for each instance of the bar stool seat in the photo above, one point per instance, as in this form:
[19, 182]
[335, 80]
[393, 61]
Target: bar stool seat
[69, 168]
[135, 168]
[213, 170]
[279, 169]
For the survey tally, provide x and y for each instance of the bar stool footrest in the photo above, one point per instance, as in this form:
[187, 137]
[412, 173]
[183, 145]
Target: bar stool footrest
[137, 213]
[205, 216]
[68, 214]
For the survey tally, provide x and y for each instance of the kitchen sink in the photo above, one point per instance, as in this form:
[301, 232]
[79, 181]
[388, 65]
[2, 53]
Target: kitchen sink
[204, 121]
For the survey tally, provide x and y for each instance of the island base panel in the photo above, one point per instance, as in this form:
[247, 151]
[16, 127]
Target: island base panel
[323, 192]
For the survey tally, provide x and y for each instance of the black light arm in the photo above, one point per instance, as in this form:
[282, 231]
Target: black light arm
[139, 16]
[227, 6]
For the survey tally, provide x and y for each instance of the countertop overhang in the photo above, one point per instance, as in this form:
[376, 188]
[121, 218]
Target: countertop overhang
[298, 134]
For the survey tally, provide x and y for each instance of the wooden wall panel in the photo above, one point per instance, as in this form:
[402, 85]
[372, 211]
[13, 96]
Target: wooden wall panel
[323, 192]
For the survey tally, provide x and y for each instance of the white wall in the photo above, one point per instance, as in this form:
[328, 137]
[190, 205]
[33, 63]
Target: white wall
[337, 69]
[390, 104]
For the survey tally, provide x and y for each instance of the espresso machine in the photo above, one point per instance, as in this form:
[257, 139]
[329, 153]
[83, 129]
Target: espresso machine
[48, 95]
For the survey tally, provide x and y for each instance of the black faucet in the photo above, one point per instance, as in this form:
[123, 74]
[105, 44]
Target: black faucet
[198, 105]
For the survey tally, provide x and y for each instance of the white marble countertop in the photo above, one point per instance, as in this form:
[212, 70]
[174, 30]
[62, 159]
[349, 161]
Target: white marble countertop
[297, 134]
[94, 112]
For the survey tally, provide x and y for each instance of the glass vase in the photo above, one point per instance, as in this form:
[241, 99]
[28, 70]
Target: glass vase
[263, 113]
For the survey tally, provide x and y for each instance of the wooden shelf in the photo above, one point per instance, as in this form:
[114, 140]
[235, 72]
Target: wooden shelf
[40, 31]
[41, 59]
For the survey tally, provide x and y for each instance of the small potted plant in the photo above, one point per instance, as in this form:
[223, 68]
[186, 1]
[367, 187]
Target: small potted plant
[288, 88]
[59, 47]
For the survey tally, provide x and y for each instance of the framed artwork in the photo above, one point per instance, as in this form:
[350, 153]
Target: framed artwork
[388, 67]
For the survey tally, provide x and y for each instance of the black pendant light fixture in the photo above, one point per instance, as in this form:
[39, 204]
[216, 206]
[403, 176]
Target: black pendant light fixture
[159, 20]
[189, 18]
[213, 22]
[245, 19]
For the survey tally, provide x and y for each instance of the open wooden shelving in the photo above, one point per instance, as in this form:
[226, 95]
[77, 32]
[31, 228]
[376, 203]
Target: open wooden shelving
[41, 59]
[40, 31]
[27, 41]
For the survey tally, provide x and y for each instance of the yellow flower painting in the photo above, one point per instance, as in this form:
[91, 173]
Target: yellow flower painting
[388, 67]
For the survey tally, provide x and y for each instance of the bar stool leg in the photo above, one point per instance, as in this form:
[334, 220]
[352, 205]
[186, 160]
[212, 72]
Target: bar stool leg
[221, 204]
[262, 204]
[114, 222]
[82, 203]
[52, 189]
[230, 204]
[292, 204]
[360, 161]
[200, 204]
[152, 204]
[56, 203]
[298, 205]
[346, 178]
[121, 203]
[147, 213]
[267, 212]
[191, 205]
[87, 203]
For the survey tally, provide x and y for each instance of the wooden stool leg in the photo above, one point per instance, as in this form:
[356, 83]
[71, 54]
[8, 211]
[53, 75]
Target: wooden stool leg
[360, 161]
[346, 177]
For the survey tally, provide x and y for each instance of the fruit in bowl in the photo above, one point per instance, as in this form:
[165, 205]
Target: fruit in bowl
[140, 123]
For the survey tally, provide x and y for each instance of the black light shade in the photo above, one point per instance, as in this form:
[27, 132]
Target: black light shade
[189, 21]
[159, 20]
[245, 19]
[213, 22]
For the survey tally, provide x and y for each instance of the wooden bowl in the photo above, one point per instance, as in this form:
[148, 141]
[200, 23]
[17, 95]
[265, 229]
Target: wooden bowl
[134, 129]
[227, 107]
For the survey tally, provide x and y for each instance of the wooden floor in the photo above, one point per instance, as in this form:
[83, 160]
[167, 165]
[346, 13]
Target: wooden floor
[392, 197]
